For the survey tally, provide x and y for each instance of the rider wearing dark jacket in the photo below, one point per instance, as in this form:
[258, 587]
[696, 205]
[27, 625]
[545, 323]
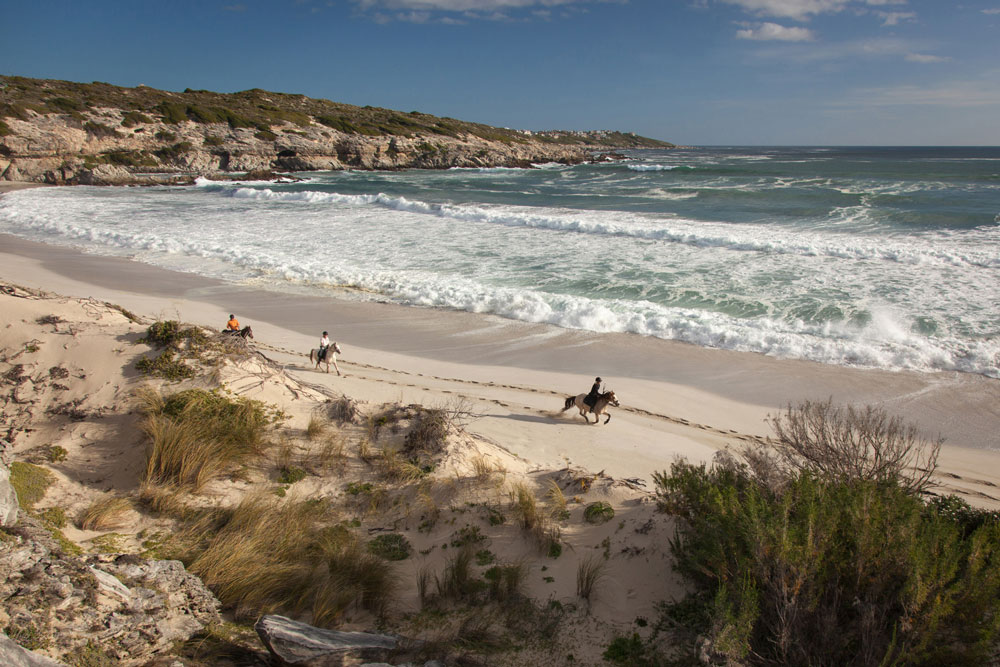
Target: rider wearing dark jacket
[595, 392]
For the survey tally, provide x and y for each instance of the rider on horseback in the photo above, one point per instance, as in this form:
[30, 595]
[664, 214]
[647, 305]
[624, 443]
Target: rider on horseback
[324, 343]
[233, 324]
[595, 392]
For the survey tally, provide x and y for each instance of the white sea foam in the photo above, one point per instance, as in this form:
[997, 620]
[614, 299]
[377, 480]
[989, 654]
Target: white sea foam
[652, 167]
[762, 287]
[753, 238]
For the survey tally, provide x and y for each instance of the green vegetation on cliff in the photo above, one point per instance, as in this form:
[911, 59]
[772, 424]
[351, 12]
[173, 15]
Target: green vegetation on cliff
[262, 110]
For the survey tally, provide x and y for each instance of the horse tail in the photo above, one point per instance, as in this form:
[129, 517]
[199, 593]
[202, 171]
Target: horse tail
[568, 404]
[312, 356]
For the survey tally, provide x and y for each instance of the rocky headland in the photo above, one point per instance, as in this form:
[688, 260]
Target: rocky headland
[66, 133]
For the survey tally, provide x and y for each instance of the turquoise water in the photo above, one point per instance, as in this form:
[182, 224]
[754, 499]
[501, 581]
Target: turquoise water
[873, 257]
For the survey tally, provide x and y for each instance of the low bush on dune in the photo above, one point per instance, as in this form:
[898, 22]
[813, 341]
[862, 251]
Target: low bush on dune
[177, 342]
[822, 560]
[197, 435]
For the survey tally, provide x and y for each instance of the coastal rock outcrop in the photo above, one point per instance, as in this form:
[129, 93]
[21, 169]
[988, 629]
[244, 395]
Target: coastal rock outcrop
[121, 608]
[8, 498]
[65, 133]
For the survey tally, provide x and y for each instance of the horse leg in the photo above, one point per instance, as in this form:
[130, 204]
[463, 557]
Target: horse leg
[335, 365]
[608, 419]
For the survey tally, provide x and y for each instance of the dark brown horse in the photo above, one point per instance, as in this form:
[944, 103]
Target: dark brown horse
[600, 405]
[245, 333]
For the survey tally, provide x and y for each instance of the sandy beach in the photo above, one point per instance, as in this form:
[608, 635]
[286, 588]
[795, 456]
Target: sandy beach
[511, 378]
[677, 399]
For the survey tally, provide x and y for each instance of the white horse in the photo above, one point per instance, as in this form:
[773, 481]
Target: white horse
[331, 357]
[602, 402]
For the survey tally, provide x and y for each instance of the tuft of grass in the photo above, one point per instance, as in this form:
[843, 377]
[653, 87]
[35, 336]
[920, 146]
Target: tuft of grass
[524, 506]
[483, 468]
[105, 513]
[458, 581]
[30, 482]
[599, 512]
[331, 453]
[50, 319]
[558, 501]
[589, 574]
[394, 467]
[506, 582]
[316, 428]
[163, 499]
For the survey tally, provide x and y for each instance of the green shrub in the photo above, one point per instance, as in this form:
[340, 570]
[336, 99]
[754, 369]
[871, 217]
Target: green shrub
[165, 136]
[173, 152]
[831, 572]
[291, 474]
[391, 546]
[211, 140]
[133, 118]
[166, 366]
[56, 453]
[627, 651]
[599, 512]
[64, 105]
[265, 135]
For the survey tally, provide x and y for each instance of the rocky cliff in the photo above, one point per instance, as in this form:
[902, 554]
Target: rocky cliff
[68, 133]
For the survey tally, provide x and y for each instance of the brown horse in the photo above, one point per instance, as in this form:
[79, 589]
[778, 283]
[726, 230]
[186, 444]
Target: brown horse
[330, 358]
[244, 333]
[600, 405]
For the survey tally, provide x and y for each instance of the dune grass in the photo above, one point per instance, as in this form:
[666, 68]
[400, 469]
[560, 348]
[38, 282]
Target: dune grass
[589, 574]
[266, 555]
[105, 513]
[316, 428]
[196, 436]
[557, 501]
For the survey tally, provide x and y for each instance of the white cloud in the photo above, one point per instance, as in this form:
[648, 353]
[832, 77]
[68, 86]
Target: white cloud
[925, 58]
[773, 32]
[802, 10]
[991, 11]
[792, 9]
[894, 18]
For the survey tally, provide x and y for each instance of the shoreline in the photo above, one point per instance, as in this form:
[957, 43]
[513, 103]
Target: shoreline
[956, 404]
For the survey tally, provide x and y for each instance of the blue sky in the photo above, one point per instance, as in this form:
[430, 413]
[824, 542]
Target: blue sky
[752, 72]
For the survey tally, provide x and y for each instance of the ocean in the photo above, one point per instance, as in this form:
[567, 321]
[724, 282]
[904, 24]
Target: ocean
[869, 257]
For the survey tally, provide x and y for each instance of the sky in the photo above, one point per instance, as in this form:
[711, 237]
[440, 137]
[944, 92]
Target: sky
[693, 72]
